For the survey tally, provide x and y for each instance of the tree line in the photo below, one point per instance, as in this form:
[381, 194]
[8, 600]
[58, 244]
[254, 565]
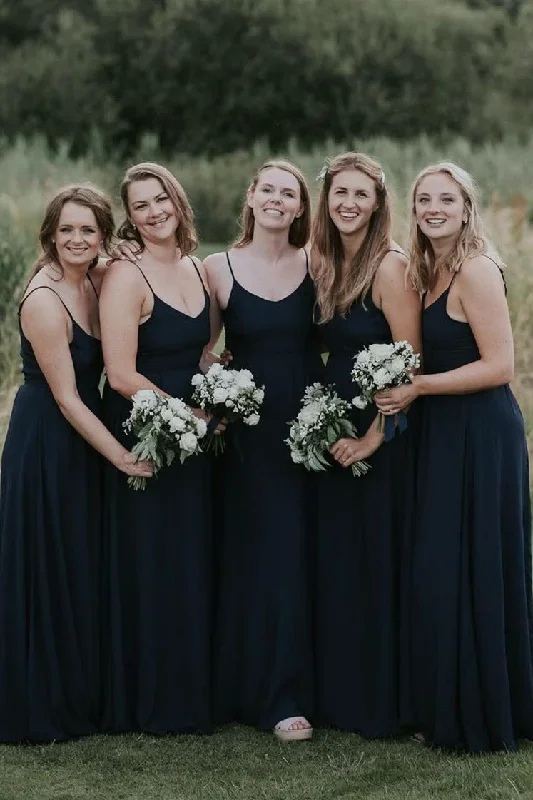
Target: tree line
[214, 76]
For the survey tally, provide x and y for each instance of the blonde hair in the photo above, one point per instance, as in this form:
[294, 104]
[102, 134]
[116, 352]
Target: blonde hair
[186, 237]
[338, 289]
[472, 240]
[300, 227]
[83, 195]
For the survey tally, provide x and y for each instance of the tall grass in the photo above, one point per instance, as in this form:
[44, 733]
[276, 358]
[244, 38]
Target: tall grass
[31, 172]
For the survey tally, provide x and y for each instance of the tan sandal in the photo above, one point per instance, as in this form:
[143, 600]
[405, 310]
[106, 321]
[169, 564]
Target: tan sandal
[285, 733]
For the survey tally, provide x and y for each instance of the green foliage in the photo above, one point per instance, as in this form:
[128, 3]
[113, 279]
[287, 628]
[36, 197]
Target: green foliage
[211, 77]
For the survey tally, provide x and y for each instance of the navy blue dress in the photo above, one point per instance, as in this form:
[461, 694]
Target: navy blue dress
[359, 553]
[50, 547]
[263, 638]
[470, 590]
[158, 556]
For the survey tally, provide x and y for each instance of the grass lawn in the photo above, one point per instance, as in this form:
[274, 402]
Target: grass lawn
[242, 764]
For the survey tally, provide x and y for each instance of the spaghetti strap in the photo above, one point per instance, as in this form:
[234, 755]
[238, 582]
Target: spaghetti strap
[394, 250]
[94, 287]
[146, 279]
[229, 265]
[198, 273]
[306, 261]
[51, 290]
[499, 269]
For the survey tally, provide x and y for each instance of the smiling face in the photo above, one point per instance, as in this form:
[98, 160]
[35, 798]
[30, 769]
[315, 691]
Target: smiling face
[276, 199]
[439, 207]
[352, 199]
[152, 211]
[77, 236]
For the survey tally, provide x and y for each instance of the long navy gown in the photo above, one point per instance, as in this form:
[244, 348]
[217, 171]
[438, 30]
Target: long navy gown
[50, 547]
[263, 671]
[471, 636]
[361, 522]
[158, 556]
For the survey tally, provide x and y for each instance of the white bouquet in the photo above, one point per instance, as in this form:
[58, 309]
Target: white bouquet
[383, 366]
[229, 393]
[322, 421]
[165, 428]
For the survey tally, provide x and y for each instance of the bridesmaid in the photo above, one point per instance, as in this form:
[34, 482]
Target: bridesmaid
[263, 291]
[155, 325]
[362, 299]
[50, 520]
[470, 604]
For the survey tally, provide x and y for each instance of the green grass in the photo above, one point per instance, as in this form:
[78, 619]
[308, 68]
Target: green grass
[242, 764]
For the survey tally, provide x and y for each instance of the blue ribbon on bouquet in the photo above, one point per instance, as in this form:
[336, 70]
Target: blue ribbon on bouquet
[394, 423]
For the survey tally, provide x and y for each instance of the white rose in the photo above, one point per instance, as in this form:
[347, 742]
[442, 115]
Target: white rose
[259, 395]
[175, 404]
[145, 397]
[188, 442]
[297, 456]
[382, 377]
[363, 357]
[215, 369]
[397, 366]
[166, 414]
[253, 419]
[359, 402]
[381, 350]
[201, 427]
[176, 425]
[220, 395]
[197, 379]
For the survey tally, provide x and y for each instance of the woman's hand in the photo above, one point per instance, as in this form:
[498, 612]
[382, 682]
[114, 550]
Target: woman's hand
[125, 250]
[347, 451]
[133, 468]
[201, 414]
[392, 401]
[209, 358]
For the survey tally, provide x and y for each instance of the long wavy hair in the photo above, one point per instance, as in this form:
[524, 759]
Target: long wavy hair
[473, 240]
[83, 195]
[338, 289]
[186, 237]
[300, 227]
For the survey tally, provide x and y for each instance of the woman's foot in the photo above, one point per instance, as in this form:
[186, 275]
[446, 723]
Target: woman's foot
[293, 729]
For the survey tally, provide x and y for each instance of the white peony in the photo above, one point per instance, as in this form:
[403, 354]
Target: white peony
[310, 412]
[259, 395]
[188, 442]
[197, 380]
[215, 369]
[253, 419]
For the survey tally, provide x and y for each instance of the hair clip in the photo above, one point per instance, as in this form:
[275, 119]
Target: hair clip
[324, 171]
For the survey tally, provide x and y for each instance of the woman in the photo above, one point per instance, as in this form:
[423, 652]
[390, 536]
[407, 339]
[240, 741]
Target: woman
[262, 290]
[362, 299]
[50, 512]
[471, 627]
[155, 325]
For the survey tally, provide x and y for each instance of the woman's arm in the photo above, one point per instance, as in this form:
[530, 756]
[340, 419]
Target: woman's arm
[45, 325]
[122, 299]
[482, 296]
